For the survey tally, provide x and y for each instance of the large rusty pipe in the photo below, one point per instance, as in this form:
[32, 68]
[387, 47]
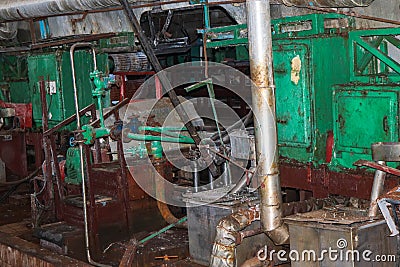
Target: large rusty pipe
[18, 9]
[377, 190]
[165, 212]
[223, 251]
[228, 234]
[327, 3]
[81, 153]
[263, 96]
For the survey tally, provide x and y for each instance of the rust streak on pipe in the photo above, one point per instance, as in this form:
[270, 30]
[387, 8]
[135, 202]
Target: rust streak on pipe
[263, 95]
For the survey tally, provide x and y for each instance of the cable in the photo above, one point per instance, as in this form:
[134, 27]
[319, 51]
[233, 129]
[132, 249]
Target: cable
[30, 176]
[11, 190]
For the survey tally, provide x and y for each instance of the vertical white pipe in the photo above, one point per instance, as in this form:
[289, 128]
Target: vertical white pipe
[263, 95]
[377, 189]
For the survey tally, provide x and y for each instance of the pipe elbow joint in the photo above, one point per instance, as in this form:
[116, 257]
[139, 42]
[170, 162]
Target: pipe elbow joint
[279, 235]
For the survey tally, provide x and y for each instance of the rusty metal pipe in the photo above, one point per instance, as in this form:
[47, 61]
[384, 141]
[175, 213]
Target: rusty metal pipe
[263, 96]
[160, 189]
[327, 3]
[81, 154]
[230, 234]
[22, 9]
[248, 233]
[377, 190]
[255, 262]
[168, 216]
[223, 251]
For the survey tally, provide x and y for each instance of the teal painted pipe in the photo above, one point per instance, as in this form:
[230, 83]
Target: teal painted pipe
[163, 230]
[142, 137]
[171, 131]
[161, 129]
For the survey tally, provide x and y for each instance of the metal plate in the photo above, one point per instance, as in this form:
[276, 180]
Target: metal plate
[13, 153]
[386, 151]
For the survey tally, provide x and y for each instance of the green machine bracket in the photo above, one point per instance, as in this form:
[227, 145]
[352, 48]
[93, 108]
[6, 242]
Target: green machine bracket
[173, 139]
[298, 26]
[122, 40]
[99, 91]
[369, 57]
[168, 134]
[73, 166]
[227, 36]
[156, 149]
[90, 133]
[312, 24]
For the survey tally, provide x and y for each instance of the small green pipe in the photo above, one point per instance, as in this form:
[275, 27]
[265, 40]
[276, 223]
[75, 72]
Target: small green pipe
[161, 129]
[142, 137]
[100, 106]
[163, 230]
[206, 17]
[101, 132]
[171, 131]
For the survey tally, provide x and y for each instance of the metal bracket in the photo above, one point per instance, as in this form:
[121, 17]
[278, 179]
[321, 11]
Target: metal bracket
[383, 206]
[377, 166]
[369, 49]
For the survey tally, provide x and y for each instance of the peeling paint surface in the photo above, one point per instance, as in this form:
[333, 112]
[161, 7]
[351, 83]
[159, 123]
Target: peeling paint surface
[296, 68]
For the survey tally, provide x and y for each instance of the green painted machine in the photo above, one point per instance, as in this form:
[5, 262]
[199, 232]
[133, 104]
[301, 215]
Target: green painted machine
[364, 114]
[14, 80]
[73, 166]
[306, 54]
[329, 79]
[310, 55]
[55, 68]
[366, 110]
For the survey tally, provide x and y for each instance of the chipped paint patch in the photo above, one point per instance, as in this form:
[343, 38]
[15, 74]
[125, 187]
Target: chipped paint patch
[295, 72]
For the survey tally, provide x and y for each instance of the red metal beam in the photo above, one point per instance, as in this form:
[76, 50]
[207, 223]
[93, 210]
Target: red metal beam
[323, 182]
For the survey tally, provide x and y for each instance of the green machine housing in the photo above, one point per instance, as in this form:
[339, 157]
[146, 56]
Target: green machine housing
[73, 166]
[310, 55]
[364, 114]
[55, 68]
[366, 110]
[14, 78]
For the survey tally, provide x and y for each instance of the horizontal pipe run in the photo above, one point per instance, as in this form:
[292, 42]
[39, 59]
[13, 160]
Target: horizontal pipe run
[327, 3]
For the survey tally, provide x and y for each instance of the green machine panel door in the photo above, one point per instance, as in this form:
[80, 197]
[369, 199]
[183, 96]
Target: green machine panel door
[293, 94]
[46, 66]
[20, 92]
[363, 117]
